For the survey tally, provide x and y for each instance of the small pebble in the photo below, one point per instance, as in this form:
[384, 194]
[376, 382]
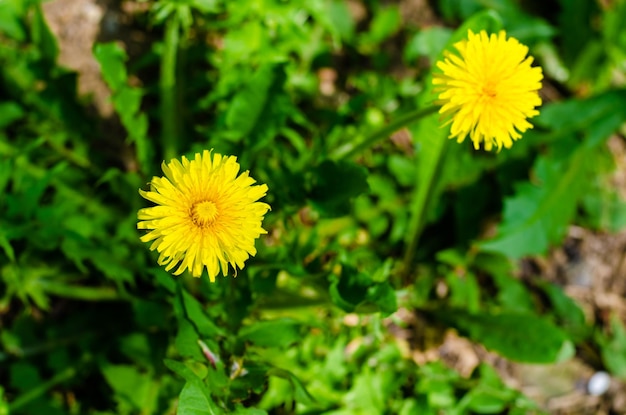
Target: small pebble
[599, 383]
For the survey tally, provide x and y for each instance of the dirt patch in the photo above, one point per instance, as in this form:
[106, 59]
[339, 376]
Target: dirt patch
[76, 25]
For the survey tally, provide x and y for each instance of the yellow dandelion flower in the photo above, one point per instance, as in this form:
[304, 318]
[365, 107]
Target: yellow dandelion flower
[489, 89]
[206, 215]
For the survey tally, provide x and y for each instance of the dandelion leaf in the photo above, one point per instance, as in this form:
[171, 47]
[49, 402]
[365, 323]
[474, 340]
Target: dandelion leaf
[194, 401]
[533, 339]
[538, 214]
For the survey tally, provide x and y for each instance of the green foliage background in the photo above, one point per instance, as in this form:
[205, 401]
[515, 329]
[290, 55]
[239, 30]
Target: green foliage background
[91, 325]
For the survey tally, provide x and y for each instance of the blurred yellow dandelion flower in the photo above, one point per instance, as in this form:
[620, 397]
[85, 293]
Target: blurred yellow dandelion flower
[489, 89]
[206, 215]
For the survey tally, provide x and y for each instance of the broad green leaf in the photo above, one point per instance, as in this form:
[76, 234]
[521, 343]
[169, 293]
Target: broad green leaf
[247, 106]
[181, 370]
[513, 296]
[538, 215]
[186, 341]
[194, 401]
[205, 326]
[131, 386]
[523, 337]
[597, 117]
[127, 102]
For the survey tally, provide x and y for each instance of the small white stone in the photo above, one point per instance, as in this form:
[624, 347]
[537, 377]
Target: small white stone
[599, 383]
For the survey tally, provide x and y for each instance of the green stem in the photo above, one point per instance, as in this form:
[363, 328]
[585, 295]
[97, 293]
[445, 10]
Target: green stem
[81, 293]
[420, 208]
[169, 115]
[350, 149]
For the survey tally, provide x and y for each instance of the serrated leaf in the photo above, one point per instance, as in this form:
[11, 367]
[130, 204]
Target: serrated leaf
[42, 36]
[111, 58]
[198, 317]
[522, 337]
[248, 105]
[597, 117]
[126, 100]
[186, 341]
[538, 215]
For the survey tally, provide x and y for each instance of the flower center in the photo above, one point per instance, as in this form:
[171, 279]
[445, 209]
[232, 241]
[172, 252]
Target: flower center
[489, 91]
[203, 213]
